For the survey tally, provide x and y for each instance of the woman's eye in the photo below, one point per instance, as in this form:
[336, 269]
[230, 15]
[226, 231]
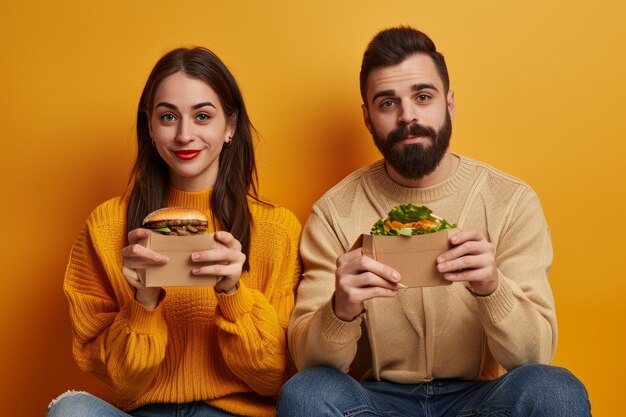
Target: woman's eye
[203, 117]
[167, 117]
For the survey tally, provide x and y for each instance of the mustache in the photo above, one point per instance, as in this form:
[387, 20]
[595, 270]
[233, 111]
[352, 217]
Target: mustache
[402, 132]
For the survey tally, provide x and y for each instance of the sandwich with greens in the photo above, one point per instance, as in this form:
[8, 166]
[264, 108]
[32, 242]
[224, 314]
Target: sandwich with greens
[410, 220]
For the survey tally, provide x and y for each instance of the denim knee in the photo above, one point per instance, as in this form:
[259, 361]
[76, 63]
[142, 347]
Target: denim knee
[555, 391]
[315, 391]
[80, 403]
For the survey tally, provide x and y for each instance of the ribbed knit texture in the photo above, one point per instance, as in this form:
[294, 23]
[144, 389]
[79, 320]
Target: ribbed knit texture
[228, 350]
[434, 332]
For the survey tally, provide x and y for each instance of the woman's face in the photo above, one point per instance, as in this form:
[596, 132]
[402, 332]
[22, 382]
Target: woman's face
[188, 127]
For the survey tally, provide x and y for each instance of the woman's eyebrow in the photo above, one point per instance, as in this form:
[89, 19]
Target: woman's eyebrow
[207, 103]
[194, 107]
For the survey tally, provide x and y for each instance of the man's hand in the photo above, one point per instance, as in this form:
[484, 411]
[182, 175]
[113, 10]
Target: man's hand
[472, 259]
[359, 278]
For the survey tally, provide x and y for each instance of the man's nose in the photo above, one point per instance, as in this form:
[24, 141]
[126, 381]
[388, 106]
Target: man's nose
[408, 113]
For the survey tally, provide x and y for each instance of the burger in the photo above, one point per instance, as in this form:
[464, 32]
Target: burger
[410, 220]
[177, 221]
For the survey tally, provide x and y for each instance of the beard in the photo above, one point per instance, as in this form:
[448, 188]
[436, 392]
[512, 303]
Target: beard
[415, 160]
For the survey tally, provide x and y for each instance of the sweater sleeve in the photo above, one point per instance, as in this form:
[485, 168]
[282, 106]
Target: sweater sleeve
[519, 317]
[253, 324]
[316, 336]
[121, 343]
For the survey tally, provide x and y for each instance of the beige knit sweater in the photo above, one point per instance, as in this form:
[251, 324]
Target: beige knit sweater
[435, 332]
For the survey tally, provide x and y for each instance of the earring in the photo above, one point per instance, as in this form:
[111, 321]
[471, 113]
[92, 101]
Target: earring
[228, 142]
[153, 142]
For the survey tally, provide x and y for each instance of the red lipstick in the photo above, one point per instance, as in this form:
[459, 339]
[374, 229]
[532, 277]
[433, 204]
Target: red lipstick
[187, 155]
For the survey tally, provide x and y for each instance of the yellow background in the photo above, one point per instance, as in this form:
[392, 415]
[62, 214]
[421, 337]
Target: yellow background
[540, 89]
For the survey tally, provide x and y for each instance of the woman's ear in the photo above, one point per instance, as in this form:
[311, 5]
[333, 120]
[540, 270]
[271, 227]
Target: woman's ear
[231, 126]
[149, 123]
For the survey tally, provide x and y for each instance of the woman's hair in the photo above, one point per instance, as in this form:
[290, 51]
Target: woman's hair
[236, 177]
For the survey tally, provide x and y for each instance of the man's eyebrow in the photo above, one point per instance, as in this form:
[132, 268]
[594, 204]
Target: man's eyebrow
[384, 93]
[423, 86]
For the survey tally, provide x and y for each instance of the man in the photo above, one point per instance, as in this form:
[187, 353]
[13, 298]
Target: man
[480, 346]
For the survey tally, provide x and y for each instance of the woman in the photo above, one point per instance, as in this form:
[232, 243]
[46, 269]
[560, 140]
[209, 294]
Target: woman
[213, 351]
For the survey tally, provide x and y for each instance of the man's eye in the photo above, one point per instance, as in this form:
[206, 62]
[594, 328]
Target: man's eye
[167, 117]
[386, 104]
[423, 98]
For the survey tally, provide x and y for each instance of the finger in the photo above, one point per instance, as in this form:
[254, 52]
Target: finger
[470, 275]
[469, 247]
[367, 264]
[131, 276]
[463, 275]
[361, 295]
[220, 270]
[375, 292]
[136, 235]
[349, 257]
[466, 235]
[221, 255]
[365, 280]
[464, 262]
[138, 256]
[227, 240]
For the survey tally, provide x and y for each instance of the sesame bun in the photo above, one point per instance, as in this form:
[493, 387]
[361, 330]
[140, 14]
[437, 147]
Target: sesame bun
[176, 213]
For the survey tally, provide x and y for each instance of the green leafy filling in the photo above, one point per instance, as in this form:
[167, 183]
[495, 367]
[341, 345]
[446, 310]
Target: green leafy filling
[408, 213]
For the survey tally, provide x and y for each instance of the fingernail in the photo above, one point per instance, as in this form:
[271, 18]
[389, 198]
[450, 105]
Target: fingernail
[440, 259]
[195, 256]
[195, 271]
[395, 276]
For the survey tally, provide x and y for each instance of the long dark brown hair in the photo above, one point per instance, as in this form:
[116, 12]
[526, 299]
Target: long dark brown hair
[236, 177]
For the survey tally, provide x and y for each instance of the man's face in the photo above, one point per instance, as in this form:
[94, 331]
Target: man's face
[409, 115]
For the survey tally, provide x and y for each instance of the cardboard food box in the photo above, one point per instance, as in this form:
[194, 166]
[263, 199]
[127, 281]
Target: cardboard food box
[177, 272]
[414, 257]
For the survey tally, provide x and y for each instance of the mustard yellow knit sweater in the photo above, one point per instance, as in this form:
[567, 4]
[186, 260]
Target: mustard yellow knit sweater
[228, 350]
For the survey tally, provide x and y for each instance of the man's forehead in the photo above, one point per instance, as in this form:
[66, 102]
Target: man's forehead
[416, 69]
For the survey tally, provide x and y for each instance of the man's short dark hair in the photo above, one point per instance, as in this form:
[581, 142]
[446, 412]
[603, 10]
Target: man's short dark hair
[394, 45]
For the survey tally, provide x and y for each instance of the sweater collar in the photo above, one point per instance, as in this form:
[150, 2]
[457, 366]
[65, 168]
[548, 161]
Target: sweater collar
[379, 182]
[197, 199]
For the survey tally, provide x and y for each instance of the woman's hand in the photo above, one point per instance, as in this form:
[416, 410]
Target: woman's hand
[228, 262]
[136, 256]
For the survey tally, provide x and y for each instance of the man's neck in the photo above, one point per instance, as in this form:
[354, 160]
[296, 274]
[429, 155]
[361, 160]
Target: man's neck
[444, 170]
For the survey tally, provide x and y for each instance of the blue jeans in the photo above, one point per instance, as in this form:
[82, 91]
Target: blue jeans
[82, 404]
[527, 391]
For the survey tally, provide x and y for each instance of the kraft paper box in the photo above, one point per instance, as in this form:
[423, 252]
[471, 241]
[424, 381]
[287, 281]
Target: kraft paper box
[414, 257]
[177, 272]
